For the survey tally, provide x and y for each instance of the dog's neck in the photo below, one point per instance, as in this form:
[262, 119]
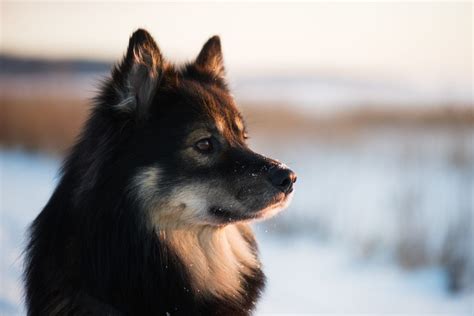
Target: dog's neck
[217, 258]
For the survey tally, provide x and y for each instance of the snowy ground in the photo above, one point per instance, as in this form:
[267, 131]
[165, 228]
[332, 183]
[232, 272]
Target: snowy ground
[306, 273]
[311, 277]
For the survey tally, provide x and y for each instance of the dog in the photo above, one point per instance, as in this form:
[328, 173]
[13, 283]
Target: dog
[151, 213]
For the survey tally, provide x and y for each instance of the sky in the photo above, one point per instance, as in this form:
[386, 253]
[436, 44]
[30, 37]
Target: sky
[415, 40]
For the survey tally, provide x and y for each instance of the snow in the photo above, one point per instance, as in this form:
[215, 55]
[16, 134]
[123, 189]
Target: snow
[307, 276]
[26, 182]
[308, 272]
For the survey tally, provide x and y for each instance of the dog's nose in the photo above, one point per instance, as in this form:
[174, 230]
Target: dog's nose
[283, 179]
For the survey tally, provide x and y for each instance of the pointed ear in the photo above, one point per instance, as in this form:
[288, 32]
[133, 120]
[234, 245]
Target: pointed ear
[136, 79]
[210, 58]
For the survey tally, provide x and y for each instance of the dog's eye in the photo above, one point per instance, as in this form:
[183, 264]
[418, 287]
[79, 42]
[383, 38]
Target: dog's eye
[204, 145]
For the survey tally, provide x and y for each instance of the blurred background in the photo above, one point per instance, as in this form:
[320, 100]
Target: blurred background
[370, 103]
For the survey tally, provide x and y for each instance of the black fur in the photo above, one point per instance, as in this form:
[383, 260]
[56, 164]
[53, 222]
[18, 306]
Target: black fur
[92, 250]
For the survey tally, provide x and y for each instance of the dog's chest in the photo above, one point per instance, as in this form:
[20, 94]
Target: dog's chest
[218, 260]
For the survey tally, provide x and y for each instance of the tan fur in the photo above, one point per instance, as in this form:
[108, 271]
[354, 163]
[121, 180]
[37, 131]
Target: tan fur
[146, 184]
[216, 257]
[220, 124]
[239, 124]
[183, 207]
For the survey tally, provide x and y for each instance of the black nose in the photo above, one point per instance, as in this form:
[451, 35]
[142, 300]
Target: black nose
[282, 179]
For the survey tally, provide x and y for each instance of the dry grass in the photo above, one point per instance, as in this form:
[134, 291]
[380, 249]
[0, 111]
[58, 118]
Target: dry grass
[51, 124]
[286, 118]
[41, 124]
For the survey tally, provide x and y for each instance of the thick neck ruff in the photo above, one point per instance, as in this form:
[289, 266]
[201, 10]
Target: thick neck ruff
[217, 258]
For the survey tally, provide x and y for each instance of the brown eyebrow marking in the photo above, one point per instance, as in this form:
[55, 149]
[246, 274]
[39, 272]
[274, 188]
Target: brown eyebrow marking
[240, 124]
[221, 110]
[220, 124]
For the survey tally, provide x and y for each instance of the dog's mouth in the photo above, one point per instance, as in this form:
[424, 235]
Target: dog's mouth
[225, 215]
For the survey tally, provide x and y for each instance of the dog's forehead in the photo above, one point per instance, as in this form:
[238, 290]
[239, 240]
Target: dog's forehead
[217, 107]
[229, 123]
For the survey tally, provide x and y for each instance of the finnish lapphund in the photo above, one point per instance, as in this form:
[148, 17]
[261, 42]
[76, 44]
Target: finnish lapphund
[151, 212]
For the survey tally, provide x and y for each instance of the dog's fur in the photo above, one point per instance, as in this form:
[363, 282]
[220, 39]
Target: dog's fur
[150, 215]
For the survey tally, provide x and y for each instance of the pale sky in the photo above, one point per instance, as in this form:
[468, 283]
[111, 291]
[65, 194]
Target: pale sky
[423, 40]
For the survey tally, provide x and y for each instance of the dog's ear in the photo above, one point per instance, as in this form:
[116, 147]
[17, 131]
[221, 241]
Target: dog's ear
[210, 58]
[137, 77]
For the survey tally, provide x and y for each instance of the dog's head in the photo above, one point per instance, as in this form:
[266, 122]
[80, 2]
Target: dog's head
[192, 165]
